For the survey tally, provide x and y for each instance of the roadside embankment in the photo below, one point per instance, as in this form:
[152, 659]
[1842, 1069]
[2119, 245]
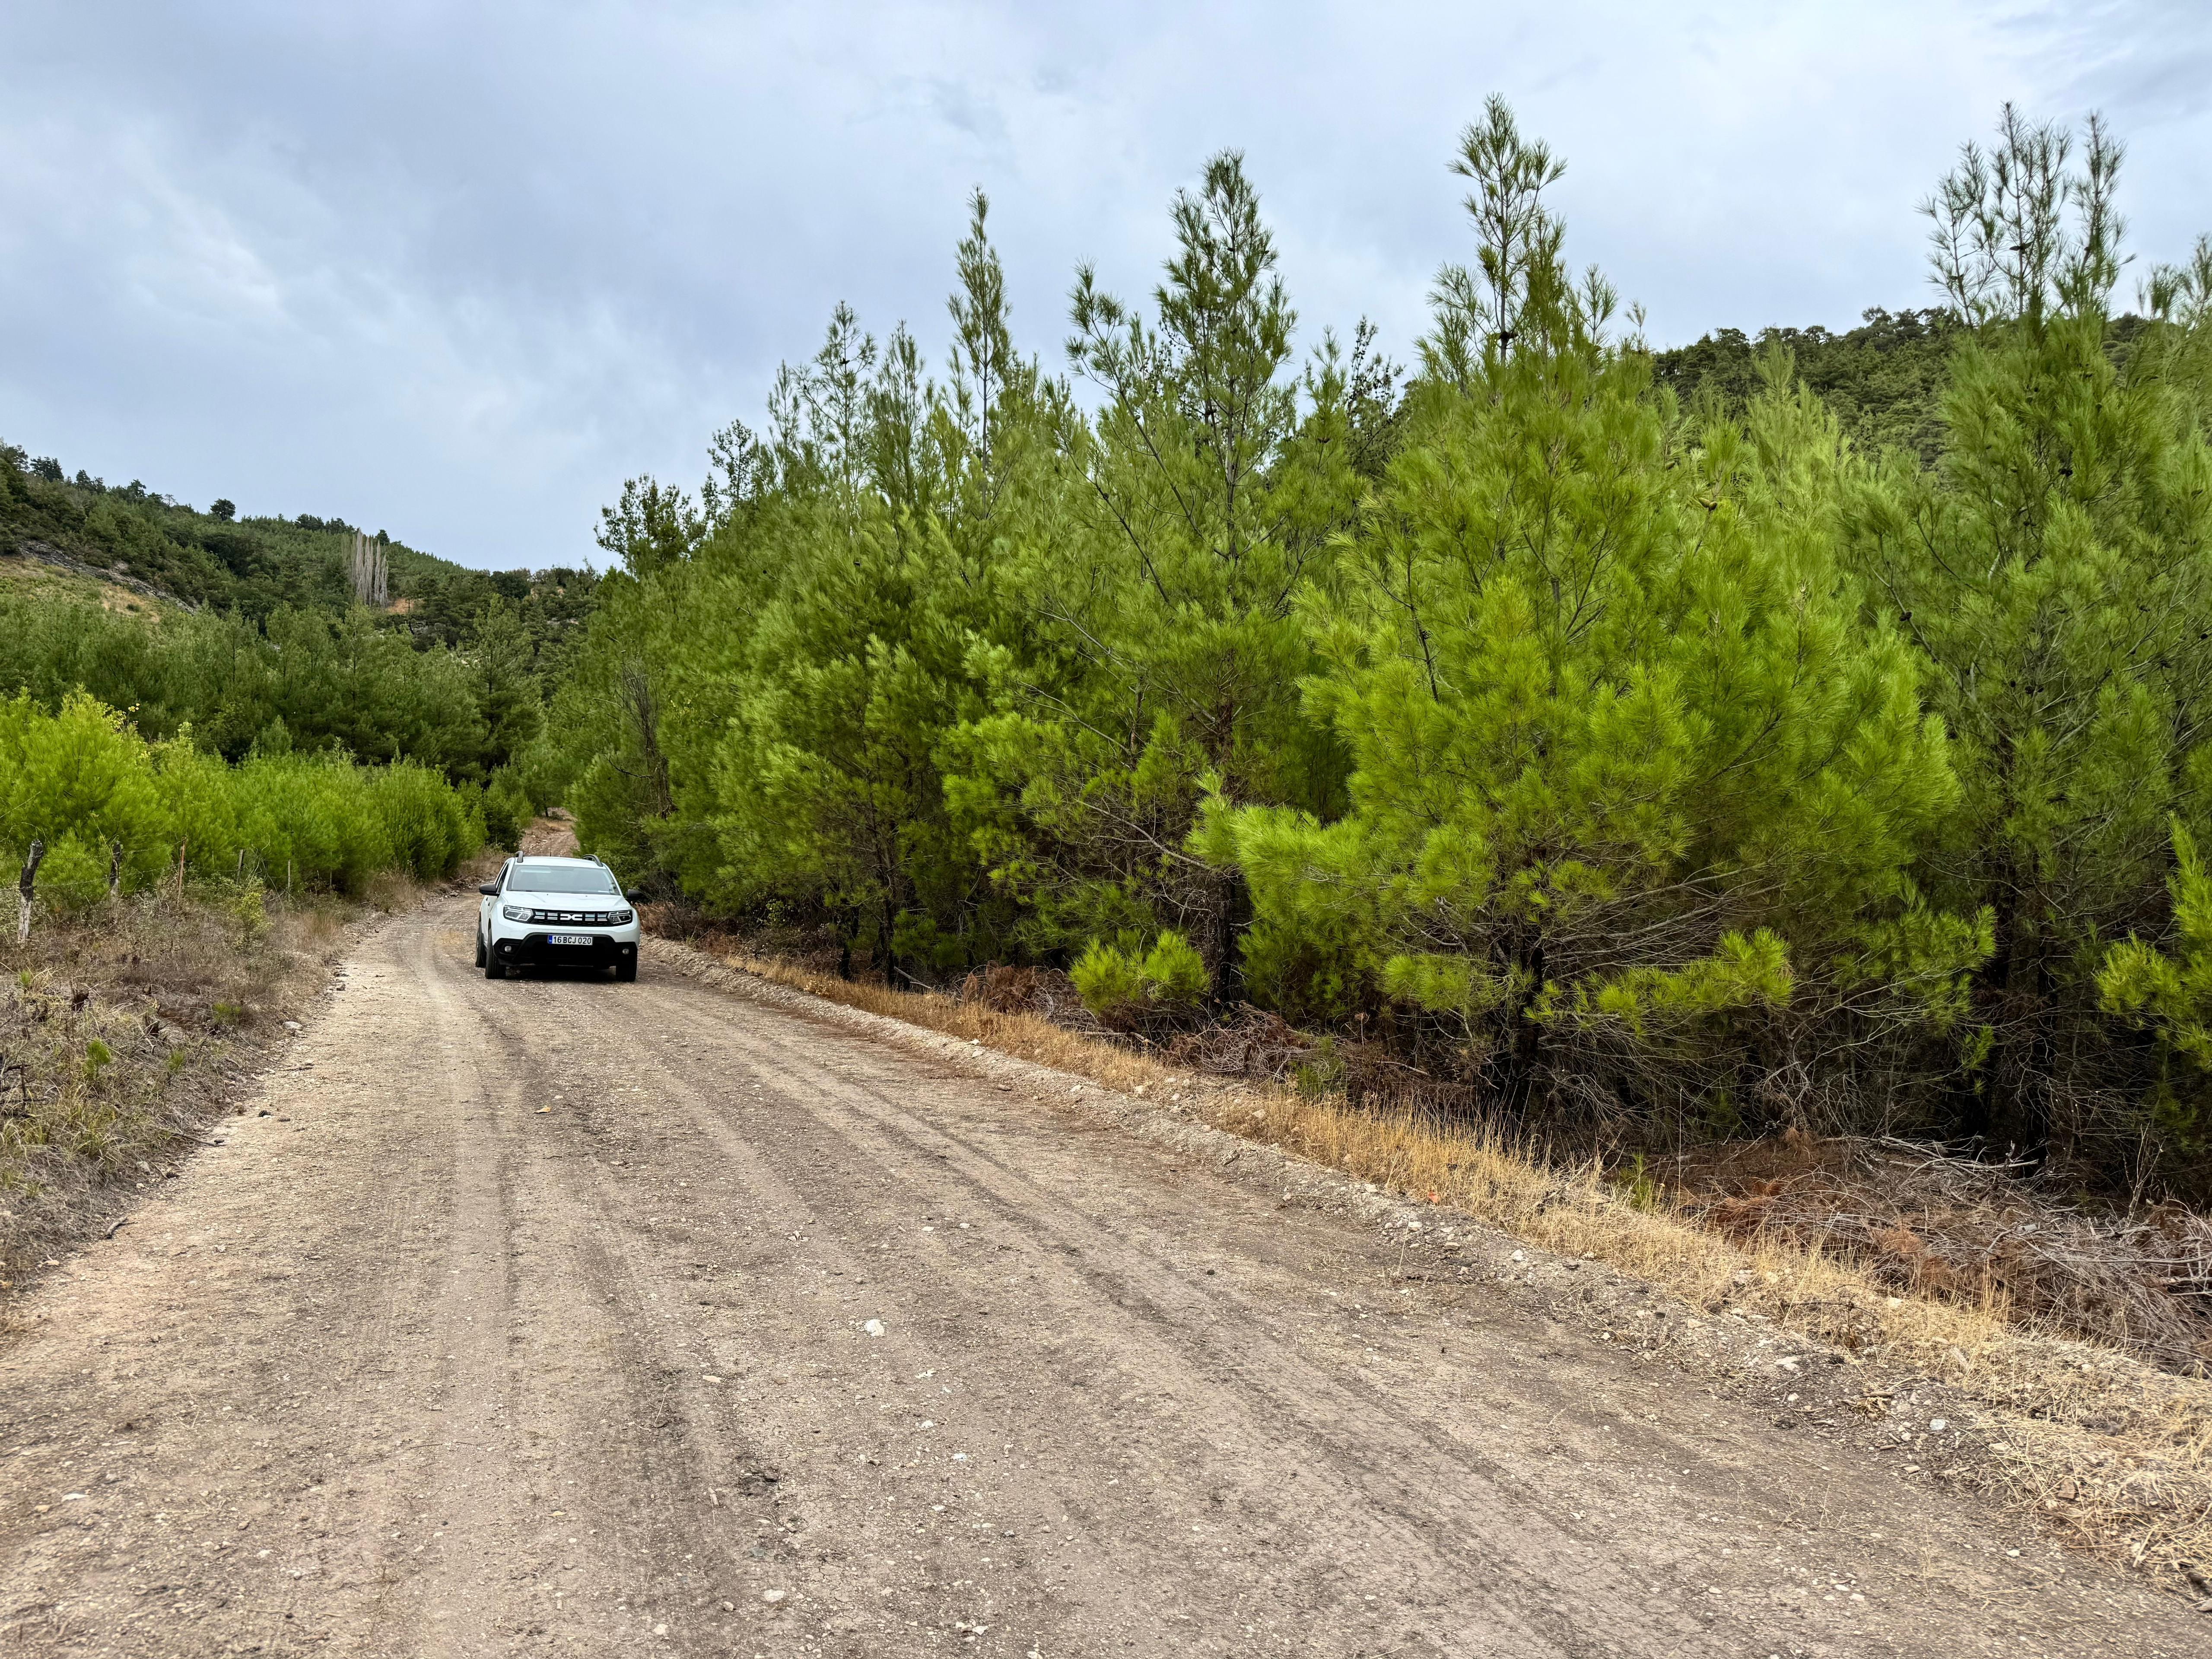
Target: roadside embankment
[124, 1029]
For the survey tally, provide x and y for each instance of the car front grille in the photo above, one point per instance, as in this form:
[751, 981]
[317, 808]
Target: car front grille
[575, 918]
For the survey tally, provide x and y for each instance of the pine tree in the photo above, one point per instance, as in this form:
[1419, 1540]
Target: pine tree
[2055, 572]
[1157, 571]
[1626, 770]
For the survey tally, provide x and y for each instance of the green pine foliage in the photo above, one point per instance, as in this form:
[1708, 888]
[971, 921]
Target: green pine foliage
[306, 683]
[1155, 651]
[1801, 729]
[2054, 570]
[1130, 986]
[1630, 781]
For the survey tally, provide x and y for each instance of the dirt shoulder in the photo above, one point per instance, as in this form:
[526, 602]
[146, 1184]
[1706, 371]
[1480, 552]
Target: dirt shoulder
[680, 1318]
[123, 1031]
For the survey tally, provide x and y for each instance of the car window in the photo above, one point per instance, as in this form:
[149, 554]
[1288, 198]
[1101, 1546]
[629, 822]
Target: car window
[561, 878]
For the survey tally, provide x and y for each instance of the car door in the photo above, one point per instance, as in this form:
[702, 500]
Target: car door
[487, 909]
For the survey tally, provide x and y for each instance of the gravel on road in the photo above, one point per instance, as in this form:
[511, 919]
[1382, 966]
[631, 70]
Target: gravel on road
[565, 1317]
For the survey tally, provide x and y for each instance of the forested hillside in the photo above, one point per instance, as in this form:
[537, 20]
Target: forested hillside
[1883, 381]
[255, 645]
[1799, 732]
[216, 561]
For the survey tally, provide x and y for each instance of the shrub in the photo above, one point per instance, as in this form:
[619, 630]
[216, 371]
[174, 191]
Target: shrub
[1127, 986]
[424, 821]
[74, 877]
[82, 781]
[199, 806]
[311, 822]
[506, 807]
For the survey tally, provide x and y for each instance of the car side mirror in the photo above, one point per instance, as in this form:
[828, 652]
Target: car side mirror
[489, 889]
[633, 895]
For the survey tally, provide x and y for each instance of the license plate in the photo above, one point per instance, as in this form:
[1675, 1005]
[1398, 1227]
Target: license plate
[567, 938]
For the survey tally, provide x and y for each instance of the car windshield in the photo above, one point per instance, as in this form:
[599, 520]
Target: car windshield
[561, 878]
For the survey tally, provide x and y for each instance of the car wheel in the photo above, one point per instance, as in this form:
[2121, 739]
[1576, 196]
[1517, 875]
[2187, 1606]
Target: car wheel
[480, 950]
[494, 968]
[625, 973]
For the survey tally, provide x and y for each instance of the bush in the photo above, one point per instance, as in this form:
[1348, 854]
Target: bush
[311, 822]
[199, 806]
[78, 779]
[1126, 986]
[73, 876]
[507, 811]
[425, 823]
[83, 781]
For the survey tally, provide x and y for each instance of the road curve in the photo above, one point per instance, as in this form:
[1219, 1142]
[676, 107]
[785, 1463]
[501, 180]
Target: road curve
[575, 1318]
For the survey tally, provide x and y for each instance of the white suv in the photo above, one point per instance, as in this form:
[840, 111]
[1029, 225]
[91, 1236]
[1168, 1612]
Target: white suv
[556, 912]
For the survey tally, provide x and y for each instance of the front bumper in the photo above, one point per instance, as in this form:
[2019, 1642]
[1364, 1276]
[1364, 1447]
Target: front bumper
[532, 950]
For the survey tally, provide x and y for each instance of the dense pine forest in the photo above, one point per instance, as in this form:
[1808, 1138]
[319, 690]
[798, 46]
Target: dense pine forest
[1799, 731]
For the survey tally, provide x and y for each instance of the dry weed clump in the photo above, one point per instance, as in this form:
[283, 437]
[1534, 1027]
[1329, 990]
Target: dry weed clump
[116, 1028]
[1026, 1035]
[2113, 1452]
[1924, 1222]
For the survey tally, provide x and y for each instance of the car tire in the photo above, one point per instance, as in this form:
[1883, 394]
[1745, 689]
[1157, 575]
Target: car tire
[494, 968]
[626, 972]
[480, 950]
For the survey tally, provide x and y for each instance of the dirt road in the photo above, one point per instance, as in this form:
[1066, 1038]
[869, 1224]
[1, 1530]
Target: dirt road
[577, 1318]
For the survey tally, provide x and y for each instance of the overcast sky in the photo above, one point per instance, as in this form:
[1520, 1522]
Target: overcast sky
[455, 271]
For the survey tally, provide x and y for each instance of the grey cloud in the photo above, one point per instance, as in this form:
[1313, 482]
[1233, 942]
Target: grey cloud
[458, 270]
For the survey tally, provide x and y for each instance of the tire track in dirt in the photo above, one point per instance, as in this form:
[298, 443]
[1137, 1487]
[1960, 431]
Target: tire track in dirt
[1282, 1411]
[631, 1434]
[418, 1366]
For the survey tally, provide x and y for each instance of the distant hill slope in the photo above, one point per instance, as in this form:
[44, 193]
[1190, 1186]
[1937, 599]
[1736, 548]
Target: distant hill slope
[159, 548]
[1884, 379]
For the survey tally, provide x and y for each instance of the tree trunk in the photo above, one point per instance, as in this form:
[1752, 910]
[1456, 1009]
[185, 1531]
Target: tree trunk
[115, 870]
[1525, 1065]
[2011, 1112]
[1231, 914]
[23, 889]
[637, 692]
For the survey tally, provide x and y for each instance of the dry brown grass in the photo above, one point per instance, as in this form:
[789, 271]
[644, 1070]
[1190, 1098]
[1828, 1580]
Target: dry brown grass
[2112, 1452]
[123, 1030]
[1948, 1228]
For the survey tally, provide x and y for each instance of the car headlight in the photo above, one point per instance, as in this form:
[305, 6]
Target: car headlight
[516, 912]
[623, 918]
